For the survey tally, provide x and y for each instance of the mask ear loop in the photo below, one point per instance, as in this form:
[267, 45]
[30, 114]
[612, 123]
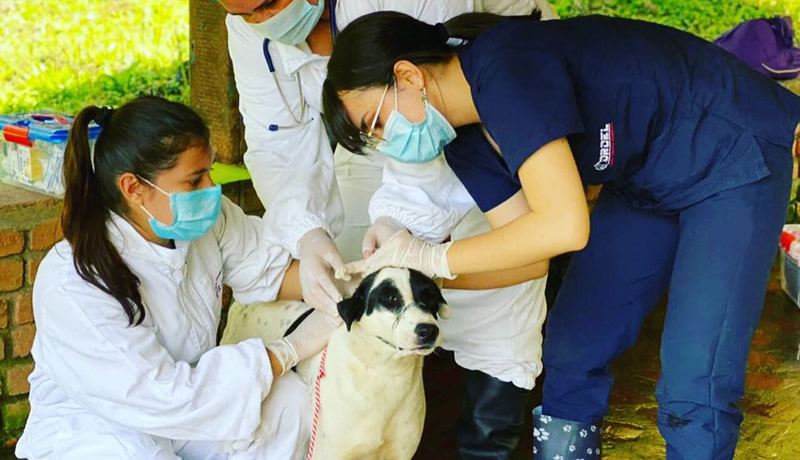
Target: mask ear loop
[154, 186]
[396, 98]
[378, 111]
[147, 212]
[157, 188]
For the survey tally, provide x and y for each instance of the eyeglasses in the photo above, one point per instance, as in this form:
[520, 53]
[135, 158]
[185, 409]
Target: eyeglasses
[371, 141]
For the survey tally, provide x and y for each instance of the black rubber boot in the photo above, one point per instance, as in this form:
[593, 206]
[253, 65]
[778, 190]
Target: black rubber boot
[555, 438]
[492, 417]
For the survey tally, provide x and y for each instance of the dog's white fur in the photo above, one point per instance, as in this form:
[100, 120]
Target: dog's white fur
[372, 398]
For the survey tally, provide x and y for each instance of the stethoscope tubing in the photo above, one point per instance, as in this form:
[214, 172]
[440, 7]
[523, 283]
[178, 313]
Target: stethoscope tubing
[296, 121]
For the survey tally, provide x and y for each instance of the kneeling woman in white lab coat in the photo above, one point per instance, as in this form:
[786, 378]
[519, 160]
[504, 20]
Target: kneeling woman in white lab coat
[127, 306]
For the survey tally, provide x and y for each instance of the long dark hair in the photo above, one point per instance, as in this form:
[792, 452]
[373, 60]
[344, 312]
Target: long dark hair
[143, 137]
[367, 49]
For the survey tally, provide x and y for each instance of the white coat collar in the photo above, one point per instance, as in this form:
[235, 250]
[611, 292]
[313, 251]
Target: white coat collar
[294, 57]
[130, 243]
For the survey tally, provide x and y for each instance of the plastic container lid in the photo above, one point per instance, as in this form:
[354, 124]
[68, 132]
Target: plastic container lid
[787, 238]
[40, 126]
[790, 234]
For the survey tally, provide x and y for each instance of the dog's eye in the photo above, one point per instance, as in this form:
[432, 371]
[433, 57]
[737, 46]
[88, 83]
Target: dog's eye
[391, 300]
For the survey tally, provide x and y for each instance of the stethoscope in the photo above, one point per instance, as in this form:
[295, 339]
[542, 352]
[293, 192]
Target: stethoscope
[296, 120]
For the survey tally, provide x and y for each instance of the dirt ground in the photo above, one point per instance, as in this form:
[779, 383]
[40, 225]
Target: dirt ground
[771, 428]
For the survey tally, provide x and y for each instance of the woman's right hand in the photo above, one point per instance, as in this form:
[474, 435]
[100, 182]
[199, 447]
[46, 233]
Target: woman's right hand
[319, 259]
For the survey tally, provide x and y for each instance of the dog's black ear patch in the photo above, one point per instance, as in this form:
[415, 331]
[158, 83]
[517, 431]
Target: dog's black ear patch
[426, 293]
[353, 309]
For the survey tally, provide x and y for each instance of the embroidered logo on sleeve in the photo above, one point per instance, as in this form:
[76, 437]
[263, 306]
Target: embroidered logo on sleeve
[218, 284]
[606, 147]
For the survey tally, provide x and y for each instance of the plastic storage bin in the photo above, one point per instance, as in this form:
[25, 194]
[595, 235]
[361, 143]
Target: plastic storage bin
[790, 277]
[32, 150]
[790, 262]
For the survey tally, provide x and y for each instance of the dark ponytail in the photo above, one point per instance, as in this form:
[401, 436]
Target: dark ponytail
[144, 136]
[366, 51]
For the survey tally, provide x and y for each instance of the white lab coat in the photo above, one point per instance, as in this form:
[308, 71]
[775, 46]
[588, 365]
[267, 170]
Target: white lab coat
[496, 331]
[293, 168]
[102, 389]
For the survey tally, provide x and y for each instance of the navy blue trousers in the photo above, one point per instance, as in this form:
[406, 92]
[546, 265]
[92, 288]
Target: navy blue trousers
[714, 259]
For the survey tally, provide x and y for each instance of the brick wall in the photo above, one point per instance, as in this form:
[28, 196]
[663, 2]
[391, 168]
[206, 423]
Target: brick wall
[29, 221]
[28, 228]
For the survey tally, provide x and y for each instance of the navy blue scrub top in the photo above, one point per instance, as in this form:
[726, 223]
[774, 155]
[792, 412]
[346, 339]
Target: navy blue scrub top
[659, 116]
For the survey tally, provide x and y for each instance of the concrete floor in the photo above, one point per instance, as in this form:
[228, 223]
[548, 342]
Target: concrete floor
[771, 427]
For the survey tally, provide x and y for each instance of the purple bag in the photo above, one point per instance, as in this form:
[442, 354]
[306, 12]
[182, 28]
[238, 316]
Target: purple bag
[766, 45]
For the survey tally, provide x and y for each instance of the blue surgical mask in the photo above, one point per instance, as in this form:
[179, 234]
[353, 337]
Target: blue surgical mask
[293, 24]
[409, 142]
[194, 213]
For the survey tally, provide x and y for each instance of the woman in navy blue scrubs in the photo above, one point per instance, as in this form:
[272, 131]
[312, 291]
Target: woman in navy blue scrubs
[692, 149]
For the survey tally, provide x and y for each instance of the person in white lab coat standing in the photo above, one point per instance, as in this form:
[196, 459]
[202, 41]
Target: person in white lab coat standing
[326, 208]
[127, 306]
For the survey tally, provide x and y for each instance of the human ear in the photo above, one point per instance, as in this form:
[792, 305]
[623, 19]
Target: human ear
[407, 74]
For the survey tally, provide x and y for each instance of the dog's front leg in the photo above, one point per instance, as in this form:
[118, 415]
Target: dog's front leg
[343, 449]
[403, 434]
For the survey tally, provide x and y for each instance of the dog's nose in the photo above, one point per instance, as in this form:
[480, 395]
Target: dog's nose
[427, 333]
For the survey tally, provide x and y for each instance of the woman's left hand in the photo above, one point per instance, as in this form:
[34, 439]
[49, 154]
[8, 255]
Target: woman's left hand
[404, 251]
[310, 337]
[378, 233]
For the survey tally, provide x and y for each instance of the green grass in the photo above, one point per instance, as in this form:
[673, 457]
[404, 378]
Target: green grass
[705, 18]
[66, 54]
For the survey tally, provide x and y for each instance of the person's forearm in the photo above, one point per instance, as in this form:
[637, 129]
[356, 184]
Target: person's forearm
[498, 279]
[290, 287]
[528, 240]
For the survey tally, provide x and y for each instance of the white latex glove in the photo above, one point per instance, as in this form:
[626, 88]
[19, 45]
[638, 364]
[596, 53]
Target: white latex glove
[348, 284]
[403, 250]
[378, 233]
[308, 339]
[319, 259]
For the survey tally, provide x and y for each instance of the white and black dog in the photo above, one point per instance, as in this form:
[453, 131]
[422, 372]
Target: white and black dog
[372, 402]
